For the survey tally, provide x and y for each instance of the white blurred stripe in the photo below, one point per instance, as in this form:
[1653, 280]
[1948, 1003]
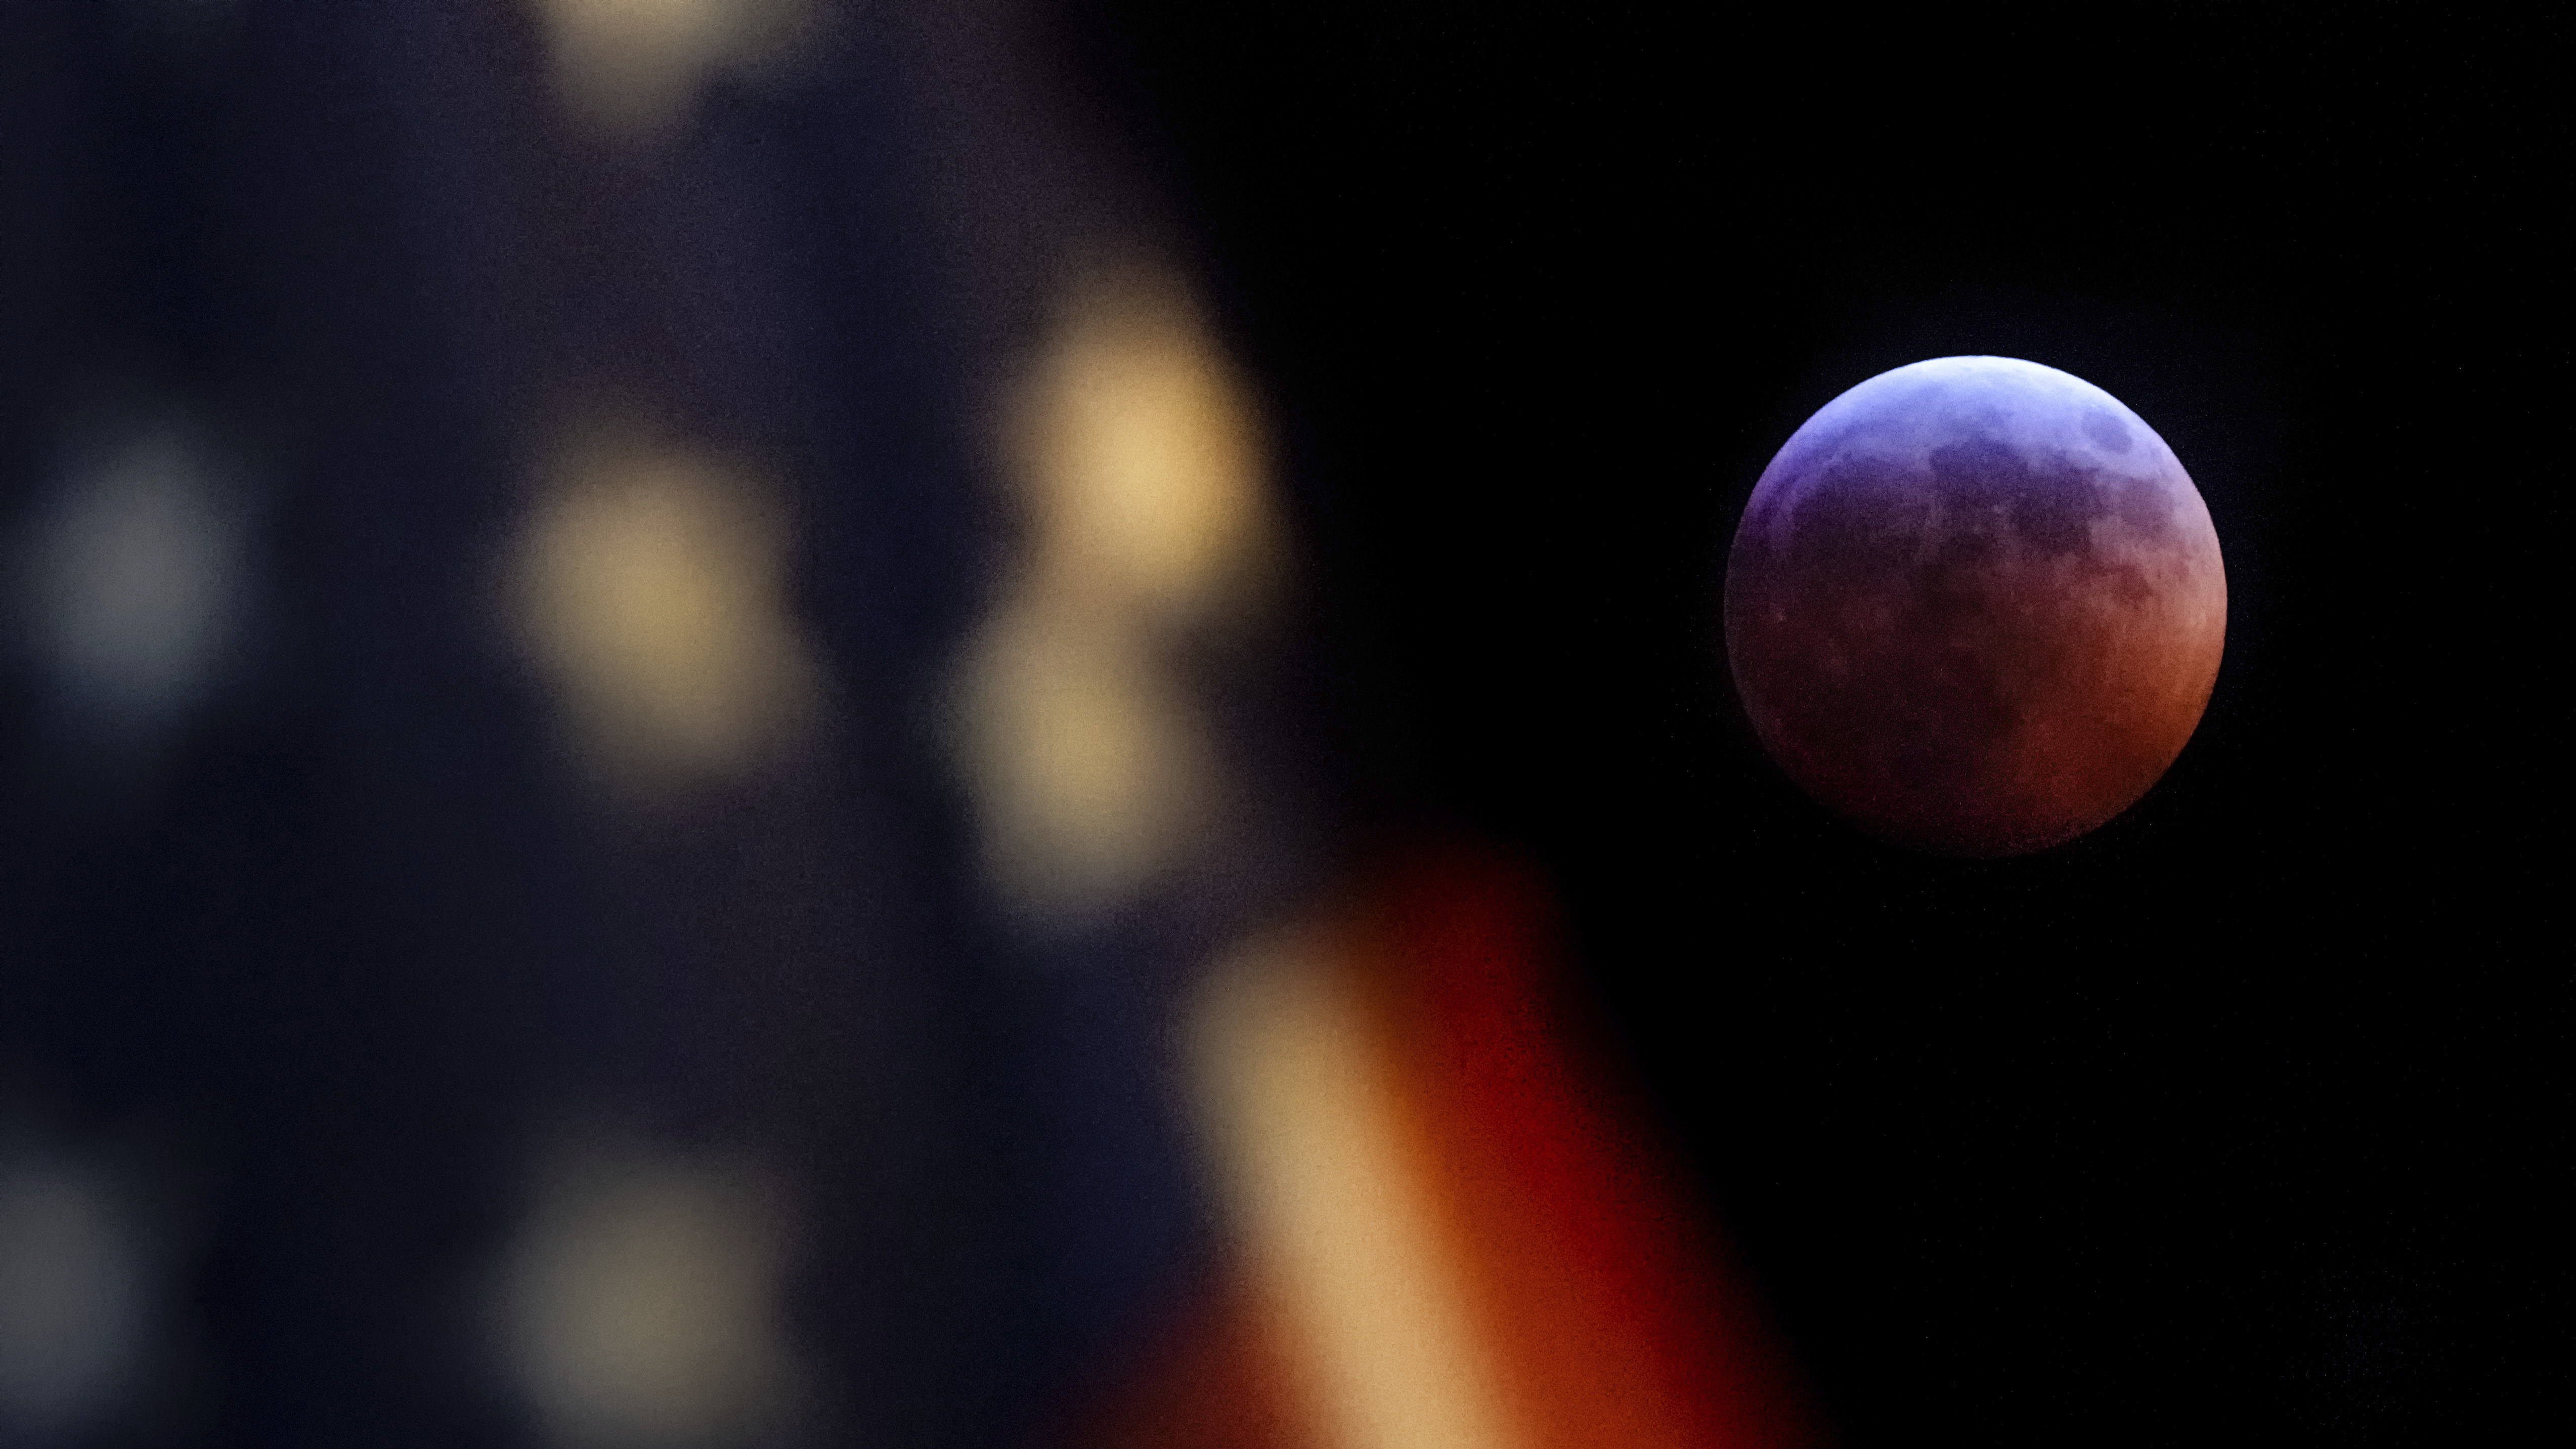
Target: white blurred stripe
[1344, 1234]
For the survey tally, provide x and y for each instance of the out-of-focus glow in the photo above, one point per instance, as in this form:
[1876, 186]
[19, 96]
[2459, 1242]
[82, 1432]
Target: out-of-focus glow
[135, 583]
[1137, 460]
[72, 1302]
[1343, 1231]
[1092, 764]
[632, 69]
[641, 1303]
[647, 584]
[1140, 454]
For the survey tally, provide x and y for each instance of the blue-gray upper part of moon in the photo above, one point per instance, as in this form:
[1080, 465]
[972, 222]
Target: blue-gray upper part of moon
[1964, 453]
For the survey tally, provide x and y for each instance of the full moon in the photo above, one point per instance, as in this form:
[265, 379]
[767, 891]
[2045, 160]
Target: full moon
[1975, 606]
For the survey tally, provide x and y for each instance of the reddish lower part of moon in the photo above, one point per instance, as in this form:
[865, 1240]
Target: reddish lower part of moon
[1975, 606]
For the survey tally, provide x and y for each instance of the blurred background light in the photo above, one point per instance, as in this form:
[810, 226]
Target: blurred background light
[1137, 461]
[73, 1302]
[630, 70]
[648, 587]
[1093, 770]
[133, 583]
[642, 1301]
[1140, 458]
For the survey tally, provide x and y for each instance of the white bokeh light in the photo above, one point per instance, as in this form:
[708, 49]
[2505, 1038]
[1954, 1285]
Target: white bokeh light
[133, 582]
[73, 1302]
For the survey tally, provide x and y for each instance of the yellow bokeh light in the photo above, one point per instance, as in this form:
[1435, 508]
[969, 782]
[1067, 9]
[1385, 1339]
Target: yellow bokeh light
[1142, 457]
[1137, 457]
[1089, 759]
[641, 1302]
[648, 587]
[631, 69]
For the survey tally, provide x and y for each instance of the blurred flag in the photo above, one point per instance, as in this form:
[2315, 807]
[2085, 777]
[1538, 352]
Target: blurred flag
[1449, 1230]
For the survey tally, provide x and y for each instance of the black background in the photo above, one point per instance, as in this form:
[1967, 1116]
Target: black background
[2234, 1120]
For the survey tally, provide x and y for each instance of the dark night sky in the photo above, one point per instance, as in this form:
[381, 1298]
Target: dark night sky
[2231, 1120]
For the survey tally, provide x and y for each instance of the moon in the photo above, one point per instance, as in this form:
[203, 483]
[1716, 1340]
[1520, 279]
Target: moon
[1975, 606]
